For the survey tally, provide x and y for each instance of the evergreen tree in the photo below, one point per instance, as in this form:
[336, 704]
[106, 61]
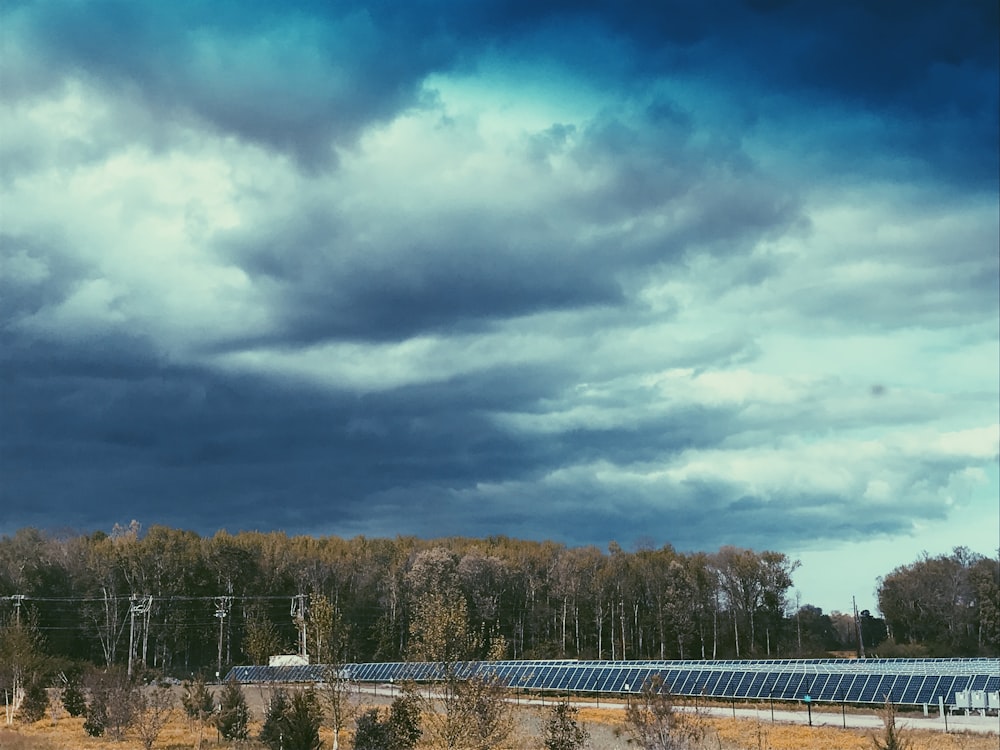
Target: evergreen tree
[301, 721]
[73, 699]
[97, 712]
[233, 719]
[272, 733]
[197, 700]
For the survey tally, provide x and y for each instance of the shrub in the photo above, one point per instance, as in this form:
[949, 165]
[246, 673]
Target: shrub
[113, 703]
[152, 713]
[892, 737]
[400, 731]
[562, 731]
[97, 714]
[35, 703]
[371, 732]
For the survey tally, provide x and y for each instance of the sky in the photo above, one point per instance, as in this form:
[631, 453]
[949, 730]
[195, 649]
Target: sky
[704, 274]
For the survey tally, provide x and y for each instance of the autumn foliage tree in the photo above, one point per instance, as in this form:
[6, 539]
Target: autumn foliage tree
[950, 604]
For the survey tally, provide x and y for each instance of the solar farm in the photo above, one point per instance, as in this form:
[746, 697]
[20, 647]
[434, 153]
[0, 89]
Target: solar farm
[855, 681]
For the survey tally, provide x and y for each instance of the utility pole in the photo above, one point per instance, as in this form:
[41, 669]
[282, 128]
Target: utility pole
[17, 599]
[299, 618]
[222, 605]
[138, 607]
[857, 626]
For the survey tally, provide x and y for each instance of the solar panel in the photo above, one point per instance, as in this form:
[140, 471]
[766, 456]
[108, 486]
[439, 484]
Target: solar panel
[907, 681]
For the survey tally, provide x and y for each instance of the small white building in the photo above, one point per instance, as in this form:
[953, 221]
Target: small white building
[287, 660]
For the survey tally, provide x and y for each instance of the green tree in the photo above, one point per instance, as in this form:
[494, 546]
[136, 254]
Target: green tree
[947, 603]
[562, 730]
[301, 721]
[292, 720]
[371, 731]
[196, 699]
[233, 717]
[404, 722]
[272, 732]
[198, 705]
[73, 698]
[399, 731]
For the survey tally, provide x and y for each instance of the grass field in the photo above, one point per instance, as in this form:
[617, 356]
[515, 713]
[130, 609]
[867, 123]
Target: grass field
[605, 725]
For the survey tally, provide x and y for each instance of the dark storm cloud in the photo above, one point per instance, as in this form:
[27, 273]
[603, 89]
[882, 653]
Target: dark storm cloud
[308, 78]
[333, 273]
[558, 331]
[327, 284]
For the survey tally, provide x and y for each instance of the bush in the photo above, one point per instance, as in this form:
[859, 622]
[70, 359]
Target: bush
[371, 732]
[892, 737]
[153, 713]
[562, 731]
[35, 703]
[400, 731]
[113, 703]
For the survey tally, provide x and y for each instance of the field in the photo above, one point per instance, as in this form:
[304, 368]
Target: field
[61, 732]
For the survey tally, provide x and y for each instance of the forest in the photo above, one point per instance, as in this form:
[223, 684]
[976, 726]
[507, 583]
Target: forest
[182, 604]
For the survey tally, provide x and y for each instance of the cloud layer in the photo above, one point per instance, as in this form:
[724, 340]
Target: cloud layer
[570, 270]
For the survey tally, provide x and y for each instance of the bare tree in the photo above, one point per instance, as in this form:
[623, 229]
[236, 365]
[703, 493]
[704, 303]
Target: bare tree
[153, 710]
[653, 723]
[485, 716]
[21, 661]
[340, 698]
[892, 737]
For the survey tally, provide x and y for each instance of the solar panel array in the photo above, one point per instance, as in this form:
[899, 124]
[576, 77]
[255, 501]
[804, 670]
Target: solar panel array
[903, 681]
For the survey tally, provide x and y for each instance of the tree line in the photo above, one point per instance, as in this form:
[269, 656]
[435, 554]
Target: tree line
[180, 603]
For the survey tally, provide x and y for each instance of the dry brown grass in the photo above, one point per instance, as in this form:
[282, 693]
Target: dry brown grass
[727, 734]
[750, 734]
